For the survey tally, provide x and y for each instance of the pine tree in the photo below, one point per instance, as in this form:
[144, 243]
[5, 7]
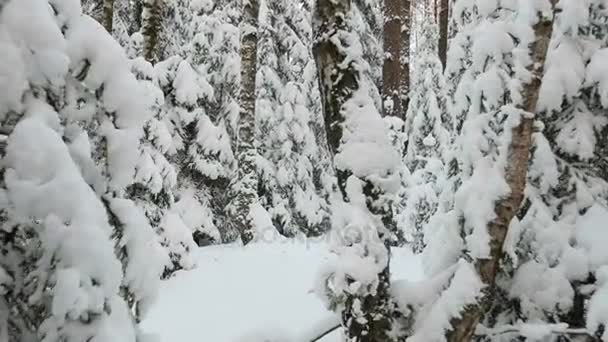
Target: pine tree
[200, 151]
[367, 23]
[355, 129]
[288, 151]
[500, 87]
[155, 188]
[565, 197]
[427, 129]
[67, 203]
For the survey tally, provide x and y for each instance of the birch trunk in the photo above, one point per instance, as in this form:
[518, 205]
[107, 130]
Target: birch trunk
[515, 174]
[246, 152]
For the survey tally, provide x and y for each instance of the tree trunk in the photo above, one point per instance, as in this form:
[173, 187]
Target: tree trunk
[339, 79]
[515, 174]
[435, 11]
[391, 71]
[444, 13]
[108, 15]
[246, 153]
[136, 7]
[404, 88]
[151, 22]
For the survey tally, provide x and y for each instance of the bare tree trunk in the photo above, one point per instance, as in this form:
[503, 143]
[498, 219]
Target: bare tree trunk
[246, 153]
[404, 89]
[151, 27]
[108, 15]
[338, 80]
[515, 174]
[391, 70]
[444, 13]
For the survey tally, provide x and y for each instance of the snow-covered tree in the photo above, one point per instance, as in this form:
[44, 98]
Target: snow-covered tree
[556, 239]
[366, 164]
[499, 53]
[151, 27]
[366, 22]
[428, 136]
[74, 115]
[391, 70]
[199, 150]
[245, 184]
[214, 54]
[289, 155]
[155, 189]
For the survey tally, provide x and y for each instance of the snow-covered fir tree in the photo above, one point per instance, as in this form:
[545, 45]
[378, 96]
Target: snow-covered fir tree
[367, 174]
[427, 137]
[520, 264]
[366, 22]
[73, 240]
[121, 135]
[199, 150]
[155, 188]
[289, 157]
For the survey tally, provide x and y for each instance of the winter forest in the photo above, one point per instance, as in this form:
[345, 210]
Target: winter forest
[303, 170]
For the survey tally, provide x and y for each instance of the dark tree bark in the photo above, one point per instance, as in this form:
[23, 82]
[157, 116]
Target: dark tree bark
[404, 91]
[444, 13]
[391, 71]
[108, 15]
[136, 7]
[515, 174]
[151, 27]
[338, 81]
[246, 191]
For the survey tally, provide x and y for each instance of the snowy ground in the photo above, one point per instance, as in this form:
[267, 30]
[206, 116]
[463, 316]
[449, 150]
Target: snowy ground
[237, 291]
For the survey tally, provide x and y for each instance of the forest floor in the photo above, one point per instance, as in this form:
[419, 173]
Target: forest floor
[244, 294]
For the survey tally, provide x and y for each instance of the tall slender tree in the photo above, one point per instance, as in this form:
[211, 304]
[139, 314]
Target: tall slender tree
[108, 15]
[247, 179]
[515, 164]
[354, 129]
[406, 22]
[443, 31]
[151, 27]
[391, 71]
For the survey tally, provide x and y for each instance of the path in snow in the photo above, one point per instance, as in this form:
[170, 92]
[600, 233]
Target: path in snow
[237, 291]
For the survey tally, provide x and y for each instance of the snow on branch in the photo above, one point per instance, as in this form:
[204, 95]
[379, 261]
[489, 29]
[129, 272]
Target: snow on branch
[535, 331]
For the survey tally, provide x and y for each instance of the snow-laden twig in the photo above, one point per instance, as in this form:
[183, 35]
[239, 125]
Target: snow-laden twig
[535, 331]
[325, 333]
